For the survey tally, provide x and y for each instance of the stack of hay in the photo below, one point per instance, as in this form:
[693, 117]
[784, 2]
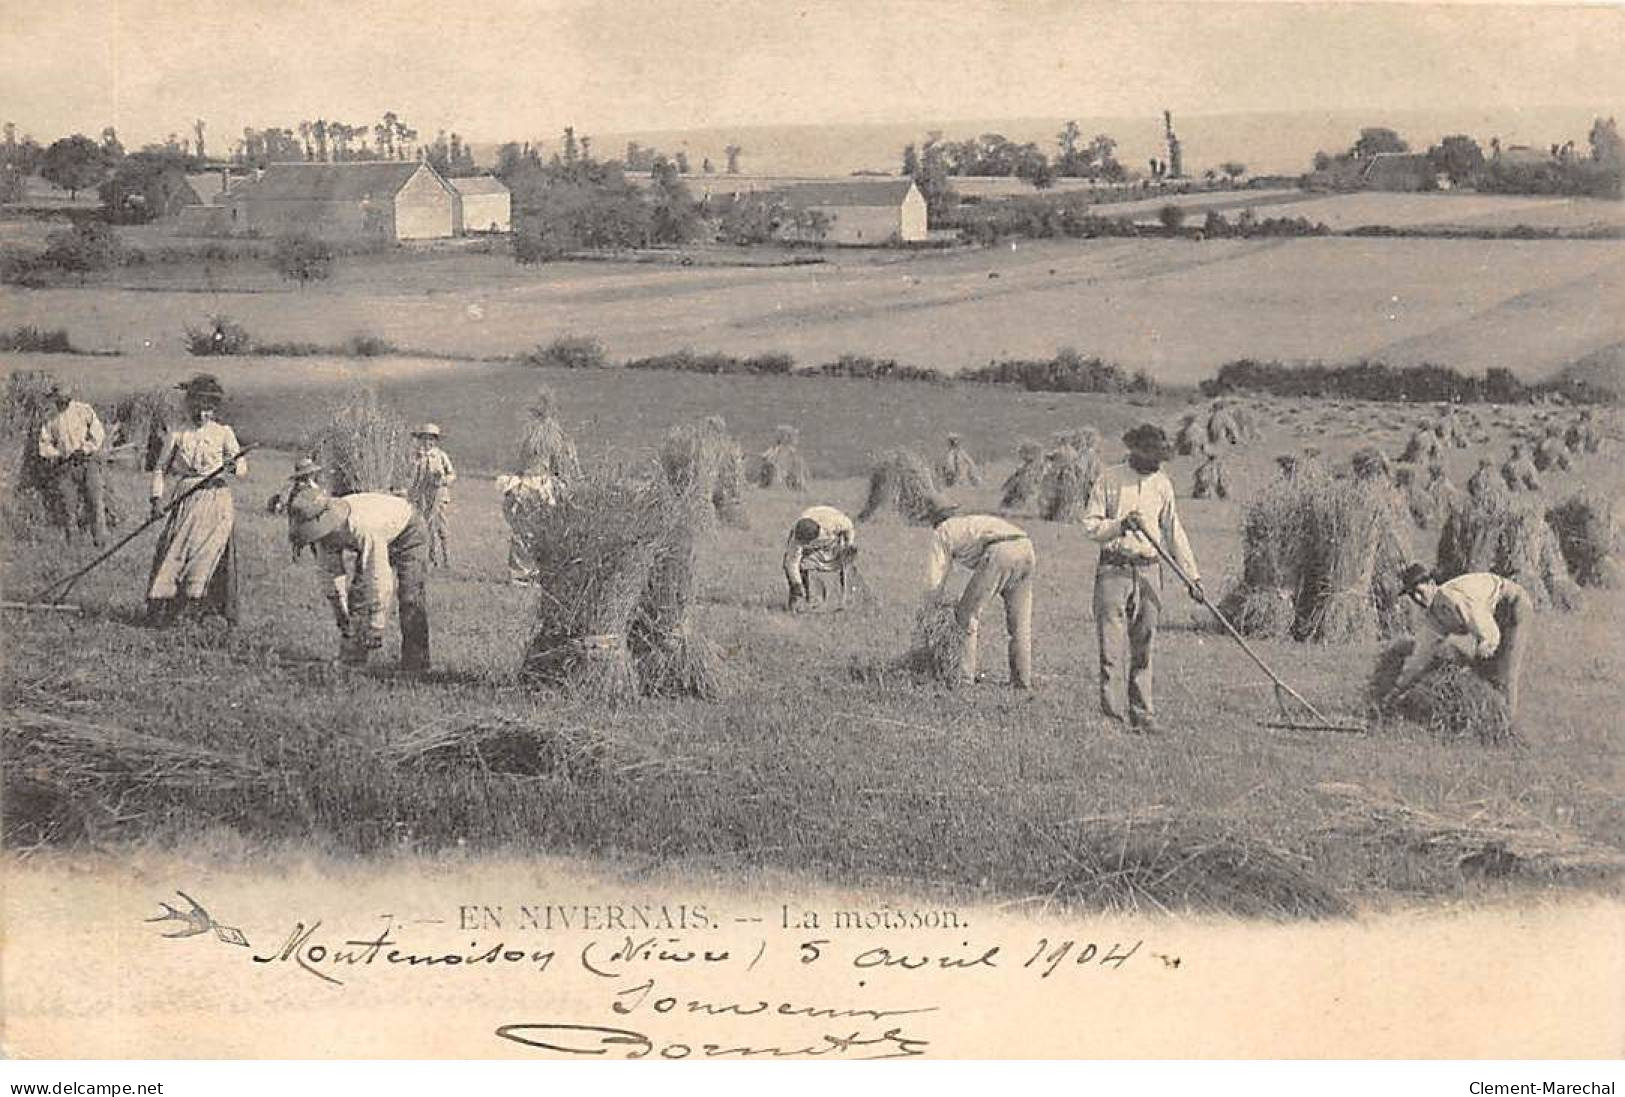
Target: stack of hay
[705, 461]
[1275, 546]
[781, 465]
[364, 446]
[1496, 535]
[616, 581]
[902, 481]
[143, 419]
[1069, 475]
[936, 650]
[545, 446]
[1023, 484]
[957, 466]
[1450, 700]
[23, 482]
[1319, 557]
[1190, 436]
[1588, 537]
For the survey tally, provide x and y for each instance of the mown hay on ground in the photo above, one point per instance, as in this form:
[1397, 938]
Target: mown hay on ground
[1450, 701]
[900, 481]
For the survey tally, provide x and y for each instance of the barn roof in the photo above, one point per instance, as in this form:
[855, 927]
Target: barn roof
[208, 185]
[347, 182]
[864, 192]
[478, 184]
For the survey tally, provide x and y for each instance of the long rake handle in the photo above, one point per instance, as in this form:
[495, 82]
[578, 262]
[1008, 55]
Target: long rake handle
[61, 587]
[1235, 635]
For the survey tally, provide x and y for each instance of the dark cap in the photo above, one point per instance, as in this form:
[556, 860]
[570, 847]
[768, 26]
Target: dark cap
[1414, 575]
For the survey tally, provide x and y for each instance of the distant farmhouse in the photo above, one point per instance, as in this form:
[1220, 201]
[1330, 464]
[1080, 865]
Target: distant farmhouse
[356, 200]
[484, 202]
[863, 211]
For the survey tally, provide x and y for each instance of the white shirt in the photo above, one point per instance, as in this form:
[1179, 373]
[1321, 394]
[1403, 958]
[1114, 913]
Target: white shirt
[1465, 606]
[963, 540]
[375, 520]
[74, 430]
[192, 452]
[1122, 491]
[835, 532]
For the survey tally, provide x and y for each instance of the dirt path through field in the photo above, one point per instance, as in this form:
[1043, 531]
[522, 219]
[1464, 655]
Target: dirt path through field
[86, 976]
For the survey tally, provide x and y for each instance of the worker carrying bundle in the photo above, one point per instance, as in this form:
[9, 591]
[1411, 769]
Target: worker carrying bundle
[1494, 614]
[368, 546]
[999, 556]
[820, 541]
[1130, 504]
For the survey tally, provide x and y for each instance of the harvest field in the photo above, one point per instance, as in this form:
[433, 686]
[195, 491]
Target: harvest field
[1176, 308]
[870, 780]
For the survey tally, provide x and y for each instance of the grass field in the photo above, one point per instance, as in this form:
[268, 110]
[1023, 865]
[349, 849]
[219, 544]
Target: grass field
[971, 794]
[1176, 308]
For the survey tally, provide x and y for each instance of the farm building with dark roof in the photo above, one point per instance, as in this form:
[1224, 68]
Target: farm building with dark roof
[863, 211]
[483, 203]
[388, 199]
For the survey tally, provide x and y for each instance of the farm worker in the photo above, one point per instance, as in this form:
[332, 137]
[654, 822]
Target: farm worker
[70, 443]
[999, 555]
[1492, 612]
[523, 497]
[368, 545]
[1519, 471]
[430, 492]
[194, 567]
[821, 541]
[1132, 503]
[1209, 478]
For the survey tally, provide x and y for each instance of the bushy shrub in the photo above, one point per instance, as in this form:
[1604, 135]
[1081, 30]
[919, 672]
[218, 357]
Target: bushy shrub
[569, 352]
[368, 346]
[864, 367]
[31, 340]
[222, 335]
[687, 361]
[1378, 381]
[302, 258]
[88, 247]
[1068, 371]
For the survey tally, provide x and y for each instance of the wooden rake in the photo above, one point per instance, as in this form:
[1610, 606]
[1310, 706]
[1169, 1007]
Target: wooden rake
[1283, 693]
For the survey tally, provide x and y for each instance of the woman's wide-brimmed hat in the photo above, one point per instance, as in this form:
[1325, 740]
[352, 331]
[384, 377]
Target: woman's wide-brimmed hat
[426, 430]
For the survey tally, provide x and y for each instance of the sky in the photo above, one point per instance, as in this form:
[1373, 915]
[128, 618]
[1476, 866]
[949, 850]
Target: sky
[515, 69]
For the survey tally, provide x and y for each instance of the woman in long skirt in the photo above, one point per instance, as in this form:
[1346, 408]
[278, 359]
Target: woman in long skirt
[194, 568]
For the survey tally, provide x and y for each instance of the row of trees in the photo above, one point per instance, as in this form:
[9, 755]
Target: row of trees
[993, 154]
[1459, 158]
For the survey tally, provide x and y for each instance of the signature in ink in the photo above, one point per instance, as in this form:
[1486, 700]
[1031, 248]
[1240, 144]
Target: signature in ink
[196, 921]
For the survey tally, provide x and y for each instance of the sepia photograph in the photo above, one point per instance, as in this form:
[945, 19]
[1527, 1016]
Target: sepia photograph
[582, 530]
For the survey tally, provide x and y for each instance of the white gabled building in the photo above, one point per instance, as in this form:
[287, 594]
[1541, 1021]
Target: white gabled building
[484, 204]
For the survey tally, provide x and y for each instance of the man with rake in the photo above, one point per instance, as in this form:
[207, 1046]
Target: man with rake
[1130, 504]
[368, 546]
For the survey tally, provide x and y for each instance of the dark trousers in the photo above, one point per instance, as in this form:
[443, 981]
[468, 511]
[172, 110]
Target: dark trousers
[409, 557]
[77, 481]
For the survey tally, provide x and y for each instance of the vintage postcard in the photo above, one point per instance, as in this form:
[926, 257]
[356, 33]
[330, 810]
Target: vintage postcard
[586, 531]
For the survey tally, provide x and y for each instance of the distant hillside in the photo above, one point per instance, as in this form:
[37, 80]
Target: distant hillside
[1272, 142]
[1604, 367]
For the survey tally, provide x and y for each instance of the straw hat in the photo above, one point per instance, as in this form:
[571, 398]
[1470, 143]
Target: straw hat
[426, 430]
[304, 467]
[313, 515]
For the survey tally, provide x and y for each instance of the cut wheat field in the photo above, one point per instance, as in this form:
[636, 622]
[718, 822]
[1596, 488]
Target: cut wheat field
[864, 779]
